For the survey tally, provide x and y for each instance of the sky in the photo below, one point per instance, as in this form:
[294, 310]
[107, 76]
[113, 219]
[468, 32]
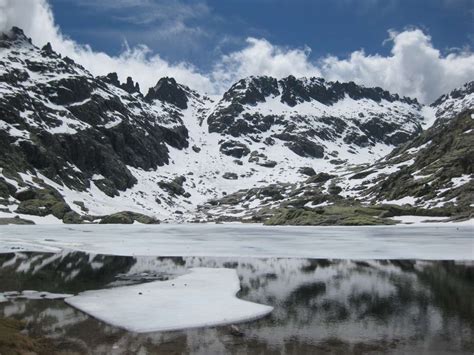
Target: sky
[418, 48]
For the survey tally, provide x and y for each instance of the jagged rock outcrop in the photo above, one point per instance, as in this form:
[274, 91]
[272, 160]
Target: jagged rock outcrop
[70, 126]
[78, 148]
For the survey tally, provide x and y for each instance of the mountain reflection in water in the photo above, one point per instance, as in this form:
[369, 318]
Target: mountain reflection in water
[335, 306]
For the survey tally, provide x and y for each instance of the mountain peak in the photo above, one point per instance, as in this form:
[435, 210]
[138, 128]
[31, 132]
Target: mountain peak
[48, 49]
[129, 86]
[253, 89]
[15, 34]
[466, 89]
[294, 91]
[449, 105]
[168, 90]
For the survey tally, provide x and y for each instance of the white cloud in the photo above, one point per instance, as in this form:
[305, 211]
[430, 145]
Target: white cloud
[414, 67]
[149, 11]
[36, 19]
[260, 57]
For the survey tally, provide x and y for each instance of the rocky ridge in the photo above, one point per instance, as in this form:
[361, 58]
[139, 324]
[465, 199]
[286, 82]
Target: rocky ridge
[78, 148]
[431, 175]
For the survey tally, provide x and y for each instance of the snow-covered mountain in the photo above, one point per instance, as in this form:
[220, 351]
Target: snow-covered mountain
[431, 175]
[76, 147]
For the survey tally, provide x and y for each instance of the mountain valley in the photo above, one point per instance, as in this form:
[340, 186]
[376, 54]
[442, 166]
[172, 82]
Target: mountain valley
[75, 148]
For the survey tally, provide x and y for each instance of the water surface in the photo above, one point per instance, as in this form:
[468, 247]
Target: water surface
[321, 305]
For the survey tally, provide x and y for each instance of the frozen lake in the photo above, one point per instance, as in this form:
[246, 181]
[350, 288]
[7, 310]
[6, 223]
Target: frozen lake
[319, 305]
[427, 242]
[395, 289]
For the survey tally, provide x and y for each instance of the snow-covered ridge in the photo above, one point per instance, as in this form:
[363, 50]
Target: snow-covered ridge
[105, 147]
[449, 105]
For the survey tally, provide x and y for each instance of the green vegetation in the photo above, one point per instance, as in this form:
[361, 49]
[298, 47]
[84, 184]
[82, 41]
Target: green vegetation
[13, 341]
[340, 215]
[126, 217]
[356, 214]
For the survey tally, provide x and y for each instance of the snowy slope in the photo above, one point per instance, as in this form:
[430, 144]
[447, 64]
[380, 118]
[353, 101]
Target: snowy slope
[458, 100]
[431, 175]
[78, 147]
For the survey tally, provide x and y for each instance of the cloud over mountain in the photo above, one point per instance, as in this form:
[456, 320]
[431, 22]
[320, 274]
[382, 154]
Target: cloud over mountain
[413, 68]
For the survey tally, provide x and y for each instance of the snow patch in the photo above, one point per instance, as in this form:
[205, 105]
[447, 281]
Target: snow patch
[407, 200]
[418, 219]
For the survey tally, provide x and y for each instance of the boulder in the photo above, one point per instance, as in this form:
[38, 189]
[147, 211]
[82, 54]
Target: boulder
[230, 176]
[234, 149]
[127, 217]
[306, 170]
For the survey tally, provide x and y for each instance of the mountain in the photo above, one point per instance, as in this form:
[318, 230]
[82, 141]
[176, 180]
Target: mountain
[78, 148]
[431, 175]
[449, 105]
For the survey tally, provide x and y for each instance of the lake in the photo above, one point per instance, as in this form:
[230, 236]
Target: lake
[365, 297]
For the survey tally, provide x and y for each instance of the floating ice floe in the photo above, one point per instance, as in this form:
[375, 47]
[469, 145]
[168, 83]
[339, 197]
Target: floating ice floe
[204, 297]
[32, 295]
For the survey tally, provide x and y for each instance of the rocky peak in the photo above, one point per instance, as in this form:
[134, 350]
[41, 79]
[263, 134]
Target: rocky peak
[459, 93]
[251, 90]
[15, 35]
[129, 86]
[458, 100]
[294, 91]
[377, 94]
[113, 79]
[48, 49]
[168, 90]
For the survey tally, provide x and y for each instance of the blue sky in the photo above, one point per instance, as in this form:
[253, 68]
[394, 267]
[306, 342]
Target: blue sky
[420, 49]
[200, 31]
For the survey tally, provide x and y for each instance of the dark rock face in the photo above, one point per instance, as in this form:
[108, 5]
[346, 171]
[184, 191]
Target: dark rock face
[90, 127]
[442, 153]
[302, 146]
[268, 163]
[230, 176]
[129, 86]
[128, 218]
[234, 149]
[168, 90]
[174, 187]
[14, 36]
[458, 93]
[261, 159]
[306, 170]
[246, 92]
[452, 104]
[320, 178]
[238, 114]
[297, 91]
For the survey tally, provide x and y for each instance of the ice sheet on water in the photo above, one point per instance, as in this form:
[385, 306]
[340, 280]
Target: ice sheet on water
[204, 297]
[433, 241]
[32, 295]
